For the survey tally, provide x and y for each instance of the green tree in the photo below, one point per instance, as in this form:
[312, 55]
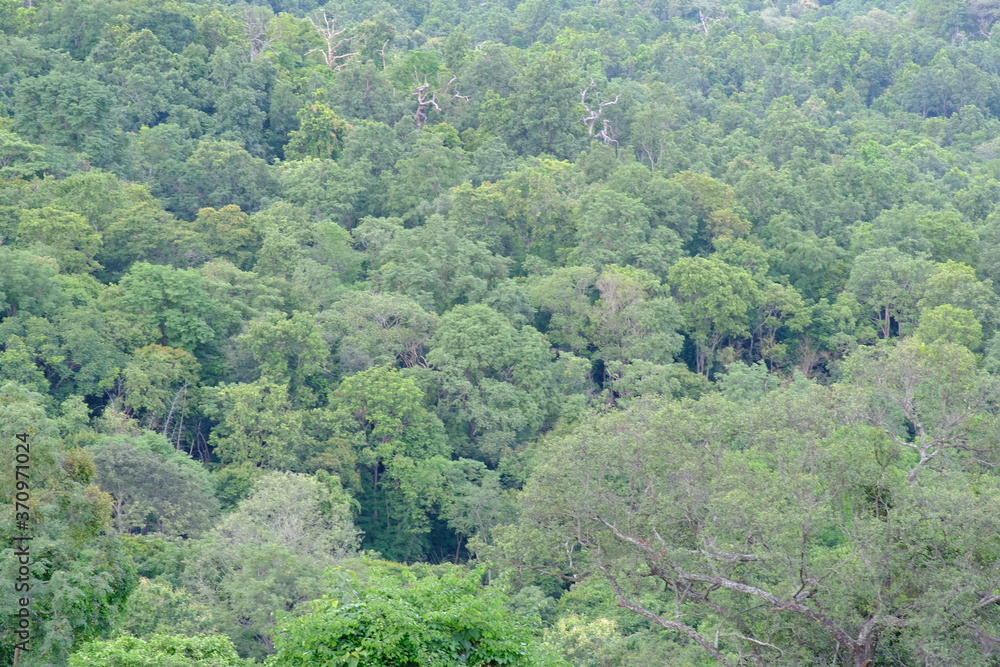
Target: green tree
[222, 172]
[714, 299]
[155, 487]
[614, 228]
[159, 384]
[927, 395]
[28, 283]
[20, 158]
[375, 328]
[269, 555]
[290, 351]
[159, 650]
[64, 235]
[540, 115]
[707, 518]
[425, 173]
[78, 576]
[398, 619]
[889, 283]
[956, 284]
[564, 295]
[632, 319]
[493, 376]
[224, 233]
[381, 415]
[158, 607]
[258, 425]
[328, 189]
[950, 324]
[320, 134]
[177, 304]
[70, 110]
[436, 267]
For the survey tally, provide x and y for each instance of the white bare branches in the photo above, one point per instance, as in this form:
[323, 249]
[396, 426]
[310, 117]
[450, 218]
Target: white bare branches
[427, 97]
[259, 35]
[327, 30]
[606, 134]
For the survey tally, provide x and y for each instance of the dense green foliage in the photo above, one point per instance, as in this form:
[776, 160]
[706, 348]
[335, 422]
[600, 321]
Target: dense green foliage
[412, 332]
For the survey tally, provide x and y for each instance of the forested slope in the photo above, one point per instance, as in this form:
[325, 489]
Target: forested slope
[540, 333]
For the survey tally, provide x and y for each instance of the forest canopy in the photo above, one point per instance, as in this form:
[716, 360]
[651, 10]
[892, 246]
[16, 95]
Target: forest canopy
[439, 332]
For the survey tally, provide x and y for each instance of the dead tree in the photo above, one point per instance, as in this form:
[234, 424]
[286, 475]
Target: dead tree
[427, 98]
[984, 12]
[328, 31]
[381, 52]
[256, 30]
[594, 115]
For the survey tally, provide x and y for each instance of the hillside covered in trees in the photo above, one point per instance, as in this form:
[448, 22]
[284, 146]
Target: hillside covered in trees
[558, 332]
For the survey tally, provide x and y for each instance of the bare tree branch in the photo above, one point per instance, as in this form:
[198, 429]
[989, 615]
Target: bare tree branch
[594, 115]
[670, 625]
[427, 97]
[328, 31]
[259, 36]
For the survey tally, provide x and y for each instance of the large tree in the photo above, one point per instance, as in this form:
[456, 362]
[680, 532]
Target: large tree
[779, 536]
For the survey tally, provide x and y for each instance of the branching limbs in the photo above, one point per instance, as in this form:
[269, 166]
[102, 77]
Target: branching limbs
[697, 587]
[259, 35]
[427, 97]
[606, 133]
[327, 30]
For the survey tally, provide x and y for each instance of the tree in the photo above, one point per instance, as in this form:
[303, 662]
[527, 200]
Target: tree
[890, 283]
[950, 324]
[952, 283]
[320, 134]
[327, 189]
[159, 607]
[426, 173]
[714, 299]
[258, 33]
[496, 377]
[64, 235]
[541, 113]
[361, 90]
[436, 267]
[327, 30]
[258, 425]
[380, 414]
[67, 109]
[222, 172]
[790, 134]
[18, 157]
[78, 576]
[155, 487]
[565, 296]
[176, 303]
[76, 350]
[398, 619]
[224, 233]
[159, 383]
[985, 12]
[269, 555]
[380, 329]
[785, 556]
[926, 394]
[290, 351]
[29, 283]
[614, 228]
[157, 650]
[632, 319]
[141, 232]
